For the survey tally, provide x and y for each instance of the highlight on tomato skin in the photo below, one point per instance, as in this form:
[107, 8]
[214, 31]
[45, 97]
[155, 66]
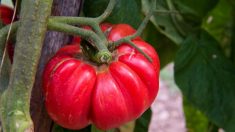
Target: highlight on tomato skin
[79, 92]
[121, 30]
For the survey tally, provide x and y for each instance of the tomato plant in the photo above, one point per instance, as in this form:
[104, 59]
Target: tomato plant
[79, 91]
[109, 74]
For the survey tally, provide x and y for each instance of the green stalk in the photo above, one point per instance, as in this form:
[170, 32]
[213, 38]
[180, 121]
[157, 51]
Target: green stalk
[140, 29]
[4, 32]
[92, 22]
[173, 17]
[102, 56]
[4, 64]
[30, 35]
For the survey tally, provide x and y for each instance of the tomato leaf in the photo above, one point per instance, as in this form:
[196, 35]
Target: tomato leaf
[220, 24]
[142, 123]
[125, 11]
[163, 22]
[206, 78]
[194, 116]
[177, 26]
[195, 11]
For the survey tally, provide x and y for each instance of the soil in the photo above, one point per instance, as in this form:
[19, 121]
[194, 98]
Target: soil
[167, 109]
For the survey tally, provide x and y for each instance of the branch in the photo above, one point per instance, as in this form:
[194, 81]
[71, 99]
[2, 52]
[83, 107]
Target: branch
[178, 27]
[4, 72]
[15, 101]
[86, 20]
[107, 12]
[139, 31]
[103, 56]
[4, 33]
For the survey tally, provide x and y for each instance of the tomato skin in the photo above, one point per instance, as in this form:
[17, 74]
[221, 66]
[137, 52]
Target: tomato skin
[6, 14]
[78, 92]
[70, 99]
[121, 30]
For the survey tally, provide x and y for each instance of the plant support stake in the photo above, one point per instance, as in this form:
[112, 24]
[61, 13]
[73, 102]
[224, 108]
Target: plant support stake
[15, 101]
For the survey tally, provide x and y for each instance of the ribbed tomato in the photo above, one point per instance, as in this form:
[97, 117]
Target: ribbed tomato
[79, 92]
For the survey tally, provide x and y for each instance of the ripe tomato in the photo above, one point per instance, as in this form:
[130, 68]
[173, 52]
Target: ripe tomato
[6, 14]
[121, 30]
[79, 92]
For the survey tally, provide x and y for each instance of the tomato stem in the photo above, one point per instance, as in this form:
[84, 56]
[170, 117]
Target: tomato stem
[4, 32]
[88, 35]
[96, 37]
[107, 12]
[138, 49]
[137, 33]
[173, 17]
[166, 12]
[86, 21]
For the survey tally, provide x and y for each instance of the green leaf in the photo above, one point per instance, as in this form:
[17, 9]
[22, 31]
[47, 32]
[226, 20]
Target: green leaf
[233, 44]
[194, 116]
[142, 123]
[163, 22]
[177, 26]
[220, 24]
[206, 78]
[94, 129]
[195, 11]
[125, 11]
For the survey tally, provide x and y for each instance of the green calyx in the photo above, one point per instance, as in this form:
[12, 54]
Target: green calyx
[103, 56]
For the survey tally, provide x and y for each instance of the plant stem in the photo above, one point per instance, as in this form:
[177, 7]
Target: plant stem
[86, 20]
[166, 12]
[4, 33]
[4, 68]
[140, 29]
[63, 27]
[107, 12]
[171, 8]
[15, 101]
[92, 22]
[138, 49]
[90, 36]
[97, 38]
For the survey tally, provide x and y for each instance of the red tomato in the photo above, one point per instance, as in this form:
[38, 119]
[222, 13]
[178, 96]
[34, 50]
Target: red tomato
[79, 92]
[121, 30]
[6, 14]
